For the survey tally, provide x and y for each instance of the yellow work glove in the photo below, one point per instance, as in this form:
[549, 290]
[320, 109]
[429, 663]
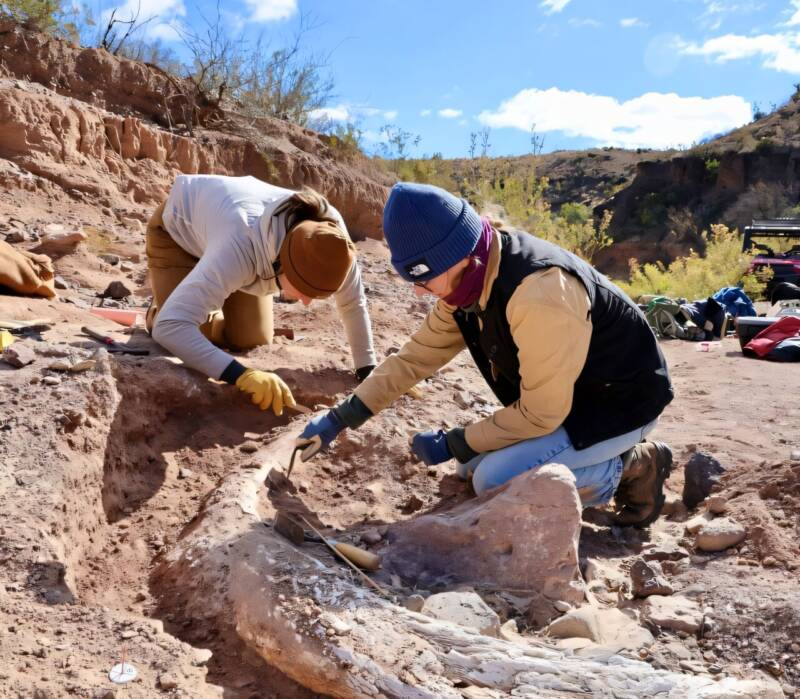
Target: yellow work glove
[6, 338]
[415, 392]
[266, 389]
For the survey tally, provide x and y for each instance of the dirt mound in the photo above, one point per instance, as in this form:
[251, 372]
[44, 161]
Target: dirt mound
[95, 126]
[146, 452]
[768, 502]
[51, 495]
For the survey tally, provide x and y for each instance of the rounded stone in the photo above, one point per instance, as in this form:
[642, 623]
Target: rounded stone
[720, 534]
[717, 504]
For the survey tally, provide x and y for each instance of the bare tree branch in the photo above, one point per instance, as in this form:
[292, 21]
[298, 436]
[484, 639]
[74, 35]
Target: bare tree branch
[110, 42]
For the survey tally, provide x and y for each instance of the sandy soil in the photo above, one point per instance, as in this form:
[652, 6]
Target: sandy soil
[101, 474]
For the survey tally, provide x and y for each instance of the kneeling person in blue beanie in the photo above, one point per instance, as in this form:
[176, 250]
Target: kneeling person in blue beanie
[571, 358]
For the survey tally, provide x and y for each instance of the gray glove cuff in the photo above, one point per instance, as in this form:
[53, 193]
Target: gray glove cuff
[457, 443]
[352, 412]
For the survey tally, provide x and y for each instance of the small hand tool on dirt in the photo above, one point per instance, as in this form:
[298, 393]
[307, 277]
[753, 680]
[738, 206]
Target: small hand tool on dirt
[302, 409]
[285, 525]
[335, 550]
[31, 329]
[112, 345]
[288, 333]
[307, 449]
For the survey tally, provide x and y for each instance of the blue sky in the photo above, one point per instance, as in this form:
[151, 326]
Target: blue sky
[646, 73]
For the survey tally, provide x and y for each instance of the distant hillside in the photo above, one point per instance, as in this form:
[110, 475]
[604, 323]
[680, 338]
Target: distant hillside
[119, 130]
[778, 128]
[659, 201]
[751, 172]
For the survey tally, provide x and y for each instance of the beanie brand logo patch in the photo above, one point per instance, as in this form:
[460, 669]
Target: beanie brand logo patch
[417, 269]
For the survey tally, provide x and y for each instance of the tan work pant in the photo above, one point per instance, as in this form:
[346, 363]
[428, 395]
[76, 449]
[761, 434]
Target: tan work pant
[244, 321]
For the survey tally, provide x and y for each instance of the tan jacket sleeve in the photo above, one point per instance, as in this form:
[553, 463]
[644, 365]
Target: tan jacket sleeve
[550, 323]
[428, 349]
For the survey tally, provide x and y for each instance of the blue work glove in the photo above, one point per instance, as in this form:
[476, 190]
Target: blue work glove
[327, 426]
[431, 447]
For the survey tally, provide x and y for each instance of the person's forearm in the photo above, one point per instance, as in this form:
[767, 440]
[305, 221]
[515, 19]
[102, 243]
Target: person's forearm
[351, 303]
[177, 328]
[185, 341]
[428, 349]
[359, 335]
[513, 424]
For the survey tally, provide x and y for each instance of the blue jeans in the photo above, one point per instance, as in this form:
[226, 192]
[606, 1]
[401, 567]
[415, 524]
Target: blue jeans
[597, 469]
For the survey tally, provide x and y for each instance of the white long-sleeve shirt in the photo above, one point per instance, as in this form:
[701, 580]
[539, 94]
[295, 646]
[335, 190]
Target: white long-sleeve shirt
[235, 227]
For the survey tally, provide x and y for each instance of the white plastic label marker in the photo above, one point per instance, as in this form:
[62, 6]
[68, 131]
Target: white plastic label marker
[122, 673]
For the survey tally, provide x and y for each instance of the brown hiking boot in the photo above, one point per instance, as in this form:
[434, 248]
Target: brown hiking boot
[150, 317]
[640, 494]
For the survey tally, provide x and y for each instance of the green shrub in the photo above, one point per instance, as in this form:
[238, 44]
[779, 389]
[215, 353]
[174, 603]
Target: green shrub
[695, 277]
[584, 238]
[41, 13]
[712, 167]
[345, 140]
[525, 206]
[574, 213]
[765, 145]
[652, 209]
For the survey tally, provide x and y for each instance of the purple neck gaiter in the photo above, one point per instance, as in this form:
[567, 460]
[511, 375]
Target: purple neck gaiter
[469, 288]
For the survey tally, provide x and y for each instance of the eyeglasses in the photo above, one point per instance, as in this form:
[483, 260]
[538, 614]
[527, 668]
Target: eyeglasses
[422, 285]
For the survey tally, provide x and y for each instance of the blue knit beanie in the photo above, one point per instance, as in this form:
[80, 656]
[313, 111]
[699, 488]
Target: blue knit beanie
[428, 230]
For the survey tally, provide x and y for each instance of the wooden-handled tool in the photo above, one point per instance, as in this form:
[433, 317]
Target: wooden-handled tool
[363, 559]
[341, 555]
[112, 345]
[285, 524]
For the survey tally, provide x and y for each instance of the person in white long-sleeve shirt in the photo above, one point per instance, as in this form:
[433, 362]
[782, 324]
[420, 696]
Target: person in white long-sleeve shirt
[220, 247]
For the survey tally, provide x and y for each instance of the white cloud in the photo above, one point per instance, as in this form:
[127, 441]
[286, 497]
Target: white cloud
[449, 113]
[163, 31]
[779, 52]
[147, 9]
[338, 113]
[367, 112]
[627, 22]
[551, 6]
[156, 17]
[587, 22]
[271, 10]
[348, 112]
[152, 10]
[654, 120]
[425, 113]
[374, 136]
[717, 10]
[794, 20]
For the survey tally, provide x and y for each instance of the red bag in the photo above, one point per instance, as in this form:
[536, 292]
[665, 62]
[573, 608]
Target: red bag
[762, 344]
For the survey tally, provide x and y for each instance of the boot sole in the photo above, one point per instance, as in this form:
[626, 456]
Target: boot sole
[664, 461]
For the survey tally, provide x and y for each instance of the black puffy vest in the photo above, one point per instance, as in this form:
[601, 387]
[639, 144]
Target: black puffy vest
[624, 383]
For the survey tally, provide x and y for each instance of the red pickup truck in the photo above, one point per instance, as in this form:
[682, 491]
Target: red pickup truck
[785, 265]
